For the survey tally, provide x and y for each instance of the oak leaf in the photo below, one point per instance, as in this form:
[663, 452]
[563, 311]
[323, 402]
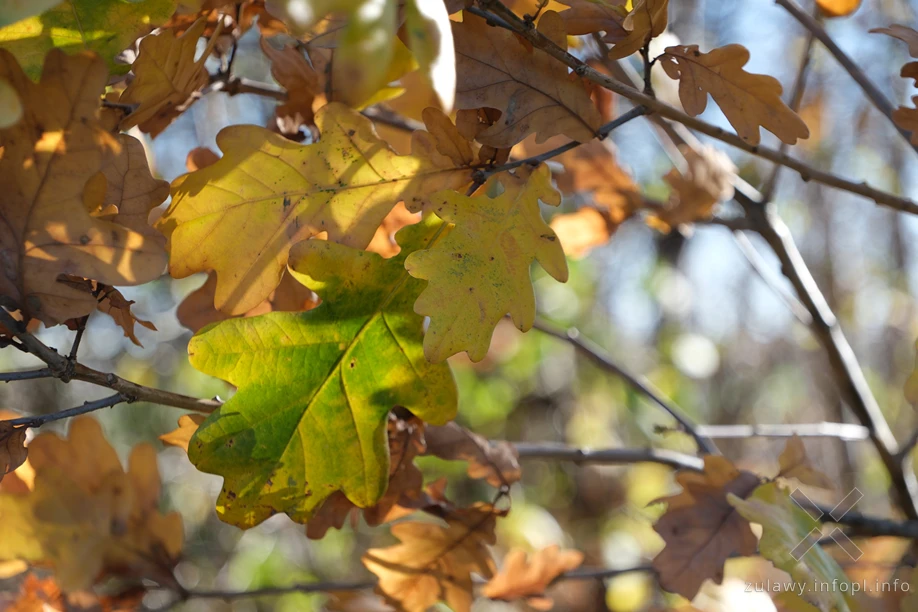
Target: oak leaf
[315, 388]
[838, 8]
[593, 16]
[706, 181]
[700, 527]
[105, 27]
[88, 517]
[496, 462]
[291, 70]
[13, 451]
[533, 91]
[111, 302]
[904, 33]
[527, 578]
[646, 20]
[267, 193]
[785, 526]
[434, 562]
[200, 157]
[187, 425]
[794, 463]
[166, 78]
[748, 100]
[48, 159]
[480, 271]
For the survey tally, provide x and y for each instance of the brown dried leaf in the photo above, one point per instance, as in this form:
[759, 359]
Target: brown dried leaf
[707, 180]
[589, 16]
[47, 160]
[907, 119]
[527, 577]
[748, 100]
[794, 463]
[197, 309]
[533, 91]
[166, 78]
[496, 462]
[200, 157]
[384, 240]
[582, 230]
[291, 70]
[700, 527]
[903, 33]
[187, 425]
[13, 451]
[646, 21]
[433, 562]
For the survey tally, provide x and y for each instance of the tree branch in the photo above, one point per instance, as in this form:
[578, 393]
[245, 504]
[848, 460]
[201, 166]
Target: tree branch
[66, 370]
[638, 383]
[806, 172]
[38, 421]
[840, 431]
[875, 96]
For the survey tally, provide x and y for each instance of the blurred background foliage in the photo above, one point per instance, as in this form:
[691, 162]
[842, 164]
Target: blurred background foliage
[685, 310]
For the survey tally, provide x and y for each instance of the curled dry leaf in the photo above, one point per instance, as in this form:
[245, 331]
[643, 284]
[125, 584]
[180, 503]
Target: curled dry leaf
[527, 578]
[748, 100]
[532, 90]
[480, 271]
[706, 181]
[700, 527]
[13, 451]
[646, 20]
[88, 517]
[200, 157]
[187, 425]
[252, 207]
[434, 562]
[166, 78]
[904, 33]
[496, 462]
[51, 231]
[794, 463]
[838, 8]
[291, 70]
[593, 16]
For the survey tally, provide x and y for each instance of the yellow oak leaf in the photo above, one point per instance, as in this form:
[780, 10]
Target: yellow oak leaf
[480, 271]
[86, 516]
[748, 100]
[267, 193]
[433, 562]
[527, 577]
[646, 20]
[166, 78]
[533, 91]
[838, 8]
[48, 158]
[700, 527]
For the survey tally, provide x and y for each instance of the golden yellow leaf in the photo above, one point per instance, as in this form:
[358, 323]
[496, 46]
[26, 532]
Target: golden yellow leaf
[187, 425]
[88, 517]
[645, 21]
[748, 100]
[480, 271]
[707, 180]
[838, 8]
[527, 577]
[267, 193]
[794, 463]
[48, 158]
[166, 78]
[435, 563]
[701, 529]
[534, 92]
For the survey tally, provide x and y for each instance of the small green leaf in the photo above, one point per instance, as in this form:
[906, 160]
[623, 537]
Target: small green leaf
[107, 27]
[785, 525]
[315, 388]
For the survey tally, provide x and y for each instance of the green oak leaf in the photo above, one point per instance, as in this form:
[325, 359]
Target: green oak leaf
[315, 388]
[107, 27]
[784, 526]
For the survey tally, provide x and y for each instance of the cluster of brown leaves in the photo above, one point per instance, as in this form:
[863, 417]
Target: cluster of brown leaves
[906, 118]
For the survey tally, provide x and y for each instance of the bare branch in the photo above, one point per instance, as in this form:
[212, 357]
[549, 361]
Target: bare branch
[875, 96]
[25, 375]
[640, 384]
[66, 370]
[807, 172]
[38, 421]
[841, 431]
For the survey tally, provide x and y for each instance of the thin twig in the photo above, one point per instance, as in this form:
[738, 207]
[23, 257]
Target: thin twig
[880, 101]
[840, 431]
[807, 172]
[38, 421]
[66, 370]
[640, 384]
[25, 375]
[760, 266]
